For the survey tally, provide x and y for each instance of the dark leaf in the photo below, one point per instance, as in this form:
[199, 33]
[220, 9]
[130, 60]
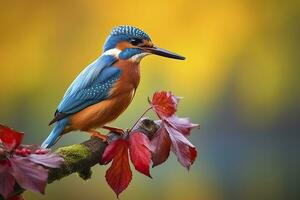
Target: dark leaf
[160, 146]
[29, 175]
[140, 154]
[7, 181]
[51, 160]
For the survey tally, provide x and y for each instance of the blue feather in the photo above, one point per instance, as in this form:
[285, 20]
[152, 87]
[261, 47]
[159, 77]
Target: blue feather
[55, 133]
[129, 52]
[91, 86]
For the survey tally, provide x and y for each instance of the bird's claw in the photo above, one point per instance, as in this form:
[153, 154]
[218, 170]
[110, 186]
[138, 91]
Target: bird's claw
[97, 134]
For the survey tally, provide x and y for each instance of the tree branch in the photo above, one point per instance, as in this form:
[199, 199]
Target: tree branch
[80, 158]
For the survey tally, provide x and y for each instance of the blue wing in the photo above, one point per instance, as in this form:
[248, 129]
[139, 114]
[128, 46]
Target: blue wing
[91, 86]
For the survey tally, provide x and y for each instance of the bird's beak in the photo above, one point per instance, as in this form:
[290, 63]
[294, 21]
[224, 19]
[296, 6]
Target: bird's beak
[162, 52]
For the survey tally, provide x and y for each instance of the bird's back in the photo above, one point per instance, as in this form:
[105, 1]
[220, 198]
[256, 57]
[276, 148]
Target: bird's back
[91, 86]
[119, 98]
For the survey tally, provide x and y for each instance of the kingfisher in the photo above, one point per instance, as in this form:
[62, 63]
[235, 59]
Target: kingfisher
[106, 87]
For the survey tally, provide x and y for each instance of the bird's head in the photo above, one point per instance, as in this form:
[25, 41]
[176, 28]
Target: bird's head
[128, 42]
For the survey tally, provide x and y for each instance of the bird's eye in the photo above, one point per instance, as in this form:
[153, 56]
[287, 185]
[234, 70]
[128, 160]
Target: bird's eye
[135, 41]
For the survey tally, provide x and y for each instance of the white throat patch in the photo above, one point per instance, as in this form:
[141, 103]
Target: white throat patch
[112, 52]
[138, 57]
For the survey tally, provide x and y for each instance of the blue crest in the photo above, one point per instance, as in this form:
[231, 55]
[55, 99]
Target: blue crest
[123, 33]
[130, 31]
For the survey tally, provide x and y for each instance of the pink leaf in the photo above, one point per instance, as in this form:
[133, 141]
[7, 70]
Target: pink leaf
[183, 125]
[29, 175]
[7, 181]
[9, 137]
[140, 154]
[51, 160]
[119, 175]
[184, 150]
[160, 146]
[164, 103]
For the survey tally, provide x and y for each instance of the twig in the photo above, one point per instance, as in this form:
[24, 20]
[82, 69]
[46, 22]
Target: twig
[137, 121]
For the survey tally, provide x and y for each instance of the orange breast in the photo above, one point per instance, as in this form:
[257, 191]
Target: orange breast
[120, 97]
[129, 79]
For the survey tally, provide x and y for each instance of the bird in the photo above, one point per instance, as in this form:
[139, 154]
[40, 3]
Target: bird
[106, 87]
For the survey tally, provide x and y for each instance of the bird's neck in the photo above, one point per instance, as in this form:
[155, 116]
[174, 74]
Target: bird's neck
[130, 72]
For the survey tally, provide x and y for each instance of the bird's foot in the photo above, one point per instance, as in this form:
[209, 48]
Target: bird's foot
[99, 135]
[114, 129]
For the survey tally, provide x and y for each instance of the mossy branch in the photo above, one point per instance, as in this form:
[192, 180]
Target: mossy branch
[80, 158]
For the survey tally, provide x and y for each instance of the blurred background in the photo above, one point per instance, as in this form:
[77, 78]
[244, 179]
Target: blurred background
[240, 81]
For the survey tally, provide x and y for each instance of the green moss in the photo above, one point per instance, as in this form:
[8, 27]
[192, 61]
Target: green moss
[74, 153]
[75, 157]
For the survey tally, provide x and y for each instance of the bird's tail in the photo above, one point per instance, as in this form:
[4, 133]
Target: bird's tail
[55, 133]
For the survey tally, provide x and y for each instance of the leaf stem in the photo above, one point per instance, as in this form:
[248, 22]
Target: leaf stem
[139, 119]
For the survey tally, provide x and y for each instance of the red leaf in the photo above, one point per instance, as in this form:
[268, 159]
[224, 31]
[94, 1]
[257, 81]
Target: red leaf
[183, 125]
[140, 154]
[164, 103]
[184, 150]
[9, 137]
[28, 174]
[119, 175]
[51, 160]
[7, 181]
[160, 146]
[109, 153]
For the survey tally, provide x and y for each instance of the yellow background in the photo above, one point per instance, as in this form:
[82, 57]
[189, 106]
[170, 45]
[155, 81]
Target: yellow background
[239, 81]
